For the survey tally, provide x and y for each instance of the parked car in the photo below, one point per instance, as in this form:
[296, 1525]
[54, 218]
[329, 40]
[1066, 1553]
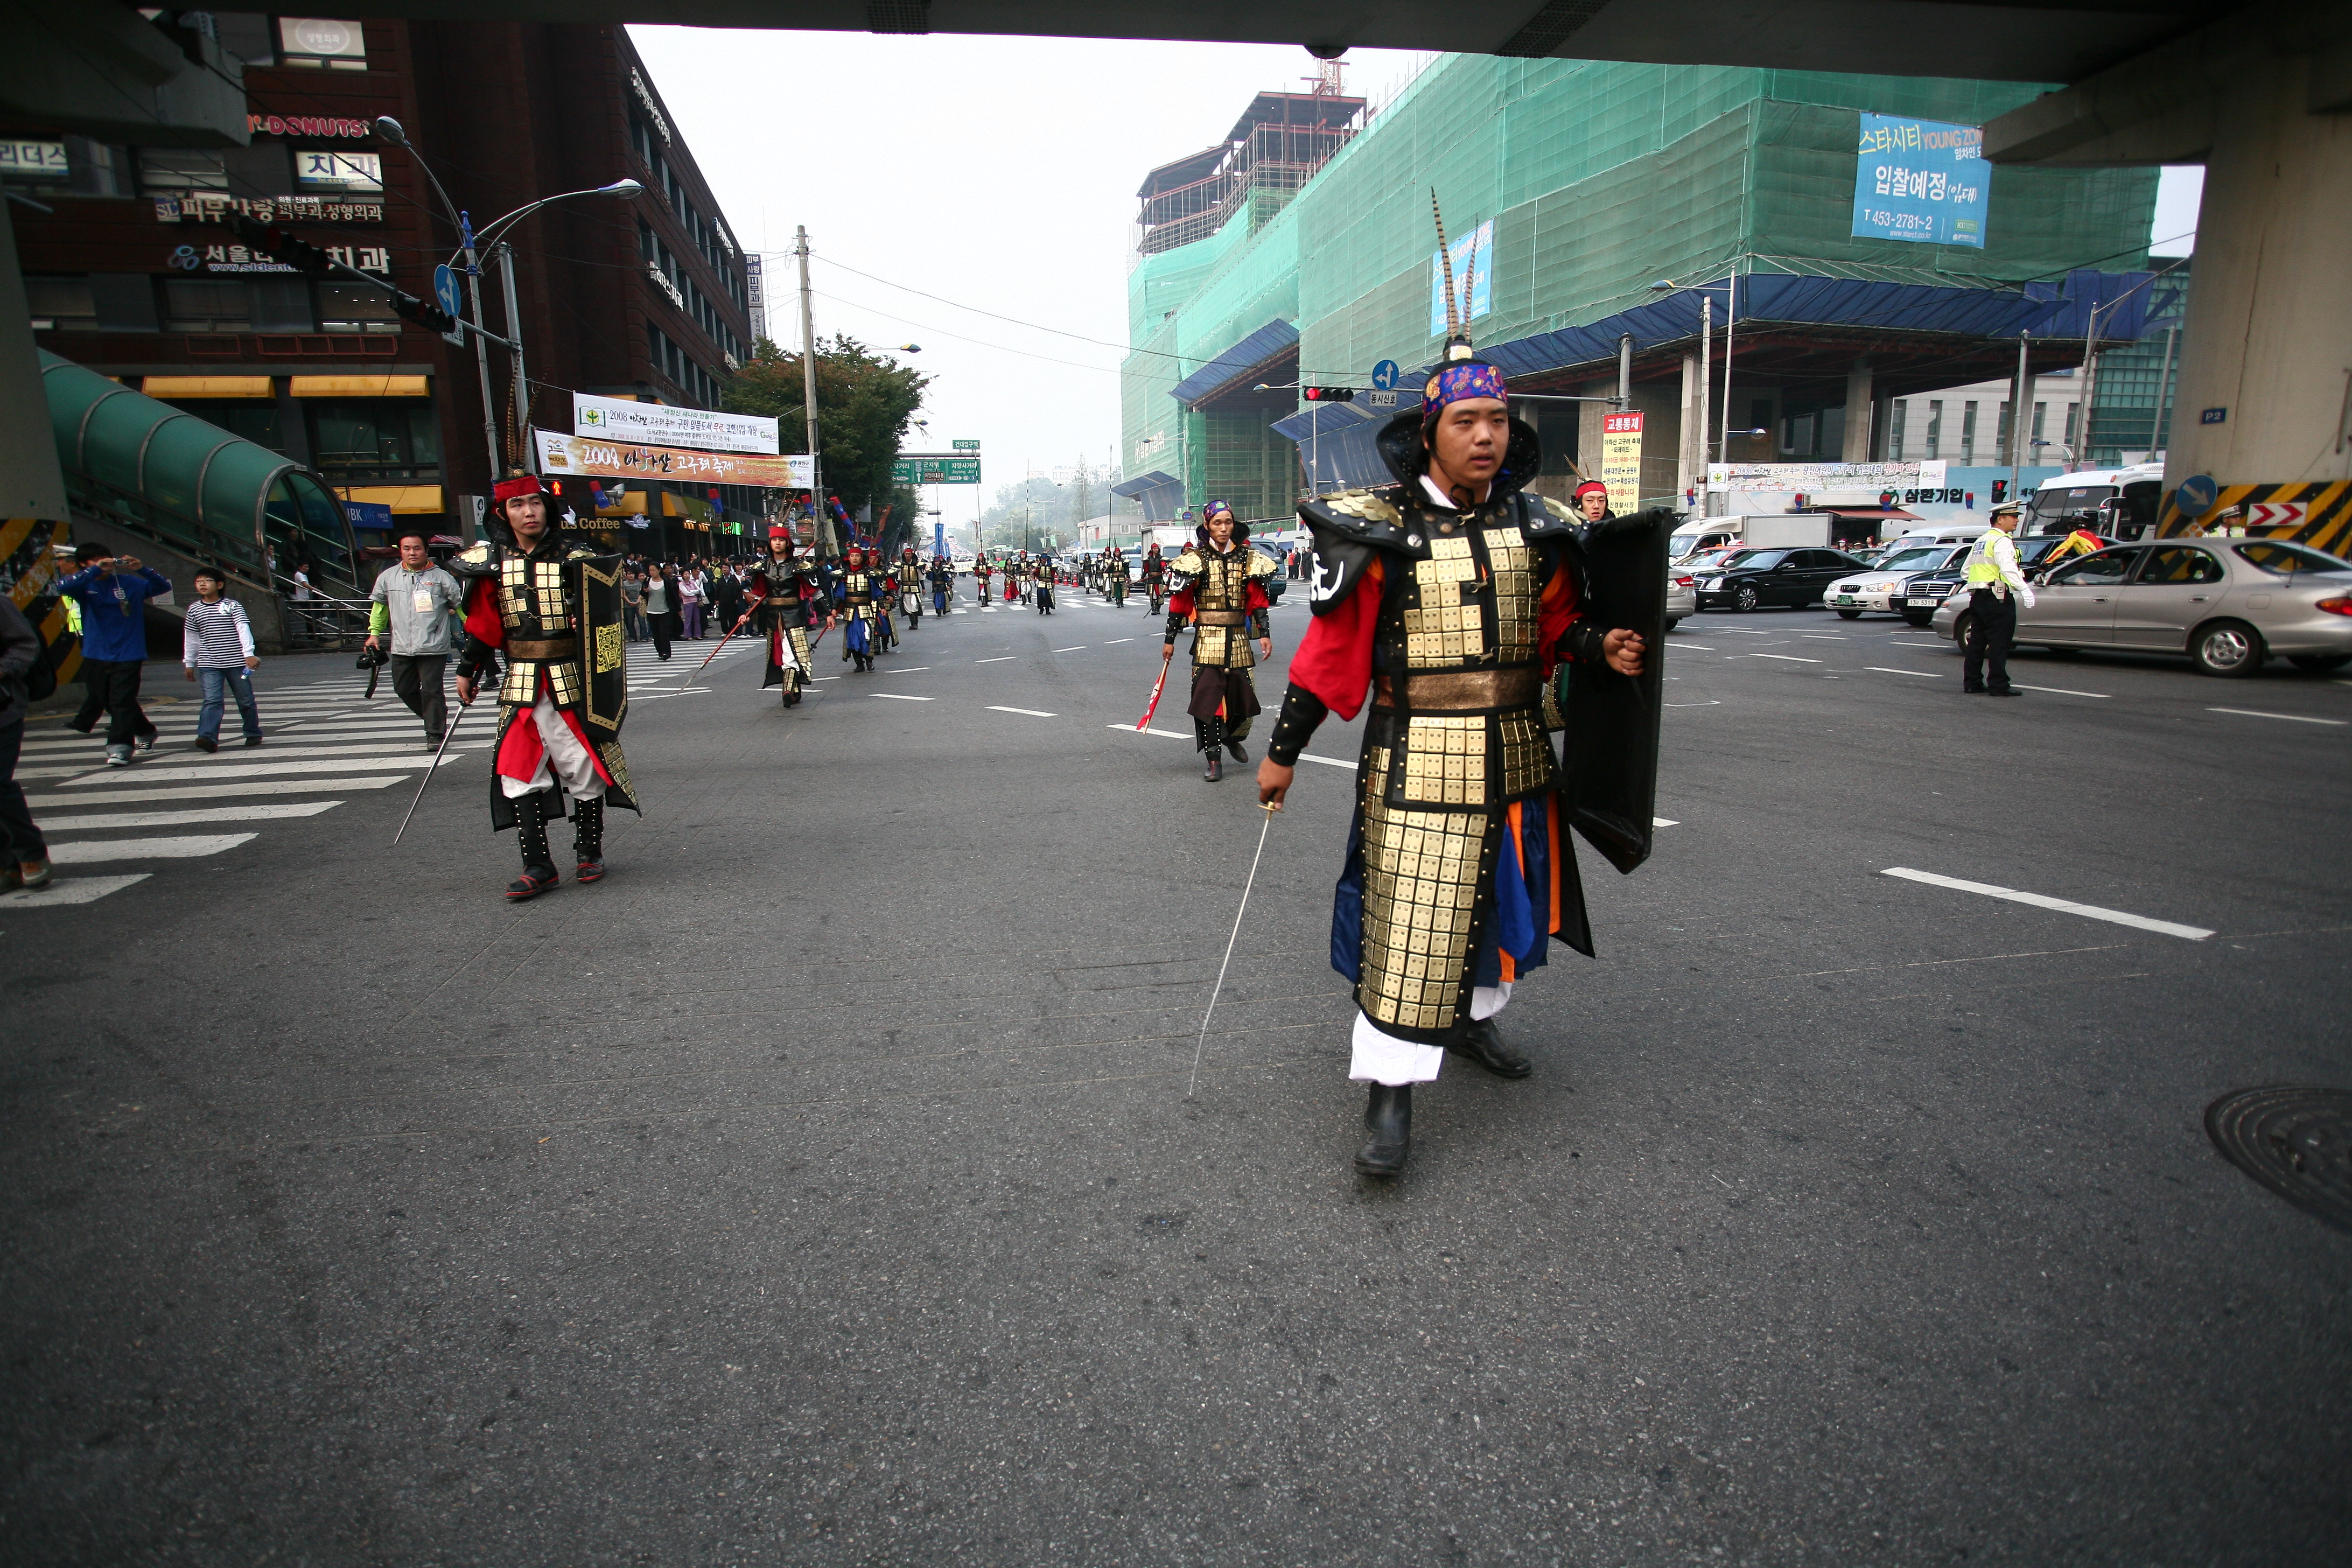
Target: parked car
[1882, 587]
[1925, 595]
[1682, 597]
[1752, 579]
[2228, 604]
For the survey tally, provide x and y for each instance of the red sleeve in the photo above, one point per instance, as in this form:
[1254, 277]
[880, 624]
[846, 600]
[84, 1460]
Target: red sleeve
[1556, 612]
[1180, 603]
[1254, 597]
[482, 614]
[1334, 660]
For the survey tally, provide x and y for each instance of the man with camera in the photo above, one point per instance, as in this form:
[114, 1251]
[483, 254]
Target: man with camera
[417, 602]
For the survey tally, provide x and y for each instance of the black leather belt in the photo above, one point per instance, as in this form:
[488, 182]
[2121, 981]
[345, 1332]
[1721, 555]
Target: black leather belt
[1464, 690]
[565, 647]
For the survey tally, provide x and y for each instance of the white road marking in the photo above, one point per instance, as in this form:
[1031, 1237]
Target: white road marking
[185, 774]
[2291, 717]
[1785, 658]
[1033, 712]
[1710, 702]
[1922, 673]
[217, 791]
[1073, 648]
[190, 848]
[71, 890]
[1664, 822]
[113, 820]
[2044, 901]
[658, 696]
[900, 697]
[1311, 757]
[1745, 632]
[1169, 734]
[910, 669]
[1829, 637]
[2058, 691]
[1116, 641]
[1000, 658]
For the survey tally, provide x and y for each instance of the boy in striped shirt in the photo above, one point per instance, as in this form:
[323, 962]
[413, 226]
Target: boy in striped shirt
[217, 648]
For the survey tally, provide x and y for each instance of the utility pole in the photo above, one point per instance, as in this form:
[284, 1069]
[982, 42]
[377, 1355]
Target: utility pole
[481, 348]
[1625, 373]
[1730, 318]
[1706, 381]
[524, 443]
[829, 547]
[2020, 421]
[2090, 380]
[2157, 426]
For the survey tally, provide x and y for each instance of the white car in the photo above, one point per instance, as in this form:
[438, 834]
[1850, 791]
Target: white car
[1881, 587]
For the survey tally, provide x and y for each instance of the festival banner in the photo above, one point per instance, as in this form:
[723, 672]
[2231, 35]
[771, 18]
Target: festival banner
[590, 458]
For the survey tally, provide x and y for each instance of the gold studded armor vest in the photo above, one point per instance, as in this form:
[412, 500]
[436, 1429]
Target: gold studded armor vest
[1222, 623]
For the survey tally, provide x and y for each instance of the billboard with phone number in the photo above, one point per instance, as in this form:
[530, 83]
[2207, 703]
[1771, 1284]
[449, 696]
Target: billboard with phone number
[1920, 180]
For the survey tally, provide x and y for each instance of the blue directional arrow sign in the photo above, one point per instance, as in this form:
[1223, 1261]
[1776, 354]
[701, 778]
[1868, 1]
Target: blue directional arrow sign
[2196, 495]
[1384, 375]
[444, 290]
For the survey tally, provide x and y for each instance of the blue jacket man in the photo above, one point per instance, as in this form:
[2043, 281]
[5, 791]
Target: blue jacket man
[112, 591]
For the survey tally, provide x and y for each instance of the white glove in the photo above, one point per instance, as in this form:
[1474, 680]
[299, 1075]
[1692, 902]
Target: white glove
[2026, 595]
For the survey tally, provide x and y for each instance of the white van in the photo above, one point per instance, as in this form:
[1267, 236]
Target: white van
[2131, 498]
[1937, 534]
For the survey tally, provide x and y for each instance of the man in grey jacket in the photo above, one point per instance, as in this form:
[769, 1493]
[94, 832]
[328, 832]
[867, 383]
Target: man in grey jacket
[419, 604]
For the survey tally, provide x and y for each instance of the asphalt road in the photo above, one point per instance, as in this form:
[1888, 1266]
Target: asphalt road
[821, 1187]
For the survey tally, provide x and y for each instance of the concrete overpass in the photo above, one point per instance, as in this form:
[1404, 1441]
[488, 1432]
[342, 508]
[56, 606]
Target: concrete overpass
[2261, 93]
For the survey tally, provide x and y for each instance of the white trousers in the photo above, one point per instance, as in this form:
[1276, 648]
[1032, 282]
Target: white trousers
[564, 758]
[1381, 1058]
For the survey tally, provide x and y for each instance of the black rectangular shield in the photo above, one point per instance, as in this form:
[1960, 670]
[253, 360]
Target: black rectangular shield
[604, 644]
[1612, 739]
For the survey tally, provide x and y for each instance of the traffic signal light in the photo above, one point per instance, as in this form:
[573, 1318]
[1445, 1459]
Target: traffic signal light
[1331, 393]
[298, 253]
[425, 313]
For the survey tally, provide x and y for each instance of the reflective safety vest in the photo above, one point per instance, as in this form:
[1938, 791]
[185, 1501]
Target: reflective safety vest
[1981, 571]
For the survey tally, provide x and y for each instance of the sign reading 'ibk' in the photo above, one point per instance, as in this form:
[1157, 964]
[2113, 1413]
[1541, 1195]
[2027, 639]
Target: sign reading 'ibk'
[1920, 180]
[659, 425]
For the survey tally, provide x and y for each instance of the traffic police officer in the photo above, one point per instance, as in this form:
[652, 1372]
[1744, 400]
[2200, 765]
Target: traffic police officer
[1995, 584]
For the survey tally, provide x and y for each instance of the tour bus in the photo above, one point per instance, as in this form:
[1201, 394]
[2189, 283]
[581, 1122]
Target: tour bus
[2120, 503]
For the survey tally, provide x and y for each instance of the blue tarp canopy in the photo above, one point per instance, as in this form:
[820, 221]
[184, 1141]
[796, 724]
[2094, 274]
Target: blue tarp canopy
[2054, 310]
[1239, 362]
[1162, 495]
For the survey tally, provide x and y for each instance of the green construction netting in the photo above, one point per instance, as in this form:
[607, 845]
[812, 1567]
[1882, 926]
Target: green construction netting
[1599, 177]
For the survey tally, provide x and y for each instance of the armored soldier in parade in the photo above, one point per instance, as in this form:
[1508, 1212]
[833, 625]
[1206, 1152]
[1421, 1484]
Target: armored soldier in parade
[1041, 584]
[941, 577]
[980, 579]
[909, 582]
[1449, 598]
[1220, 592]
[860, 593]
[1154, 571]
[782, 586]
[551, 603]
[1114, 577]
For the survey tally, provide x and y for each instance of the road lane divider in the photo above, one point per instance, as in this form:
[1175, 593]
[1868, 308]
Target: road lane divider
[2290, 718]
[2059, 690]
[1032, 712]
[2044, 901]
[900, 697]
[1922, 673]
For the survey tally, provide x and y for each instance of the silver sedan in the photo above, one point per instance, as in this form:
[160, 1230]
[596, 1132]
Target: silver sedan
[2228, 604]
[1682, 596]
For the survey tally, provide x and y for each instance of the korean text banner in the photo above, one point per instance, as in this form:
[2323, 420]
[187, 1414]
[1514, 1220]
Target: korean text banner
[621, 420]
[1921, 180]
[1473, 263]
[590, 458]
[1778, 479]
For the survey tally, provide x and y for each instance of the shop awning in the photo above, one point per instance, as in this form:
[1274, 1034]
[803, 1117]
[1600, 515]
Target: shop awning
[171, 386]
[1240, 362]
[360, 385]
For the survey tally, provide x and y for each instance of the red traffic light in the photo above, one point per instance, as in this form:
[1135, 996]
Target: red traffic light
[1329, 393]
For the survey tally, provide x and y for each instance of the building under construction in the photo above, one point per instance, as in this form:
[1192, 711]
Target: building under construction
[1300, 251]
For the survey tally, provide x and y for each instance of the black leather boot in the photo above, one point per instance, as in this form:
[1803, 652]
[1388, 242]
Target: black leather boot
[1481, 1042]
[1210, 733]
[588, 839]
[531, 836]
[1387, 1116]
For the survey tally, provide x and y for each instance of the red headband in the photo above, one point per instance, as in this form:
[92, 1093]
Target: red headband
[508, 489]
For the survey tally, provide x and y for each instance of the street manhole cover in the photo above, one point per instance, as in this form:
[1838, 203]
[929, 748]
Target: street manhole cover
[2295, 1141]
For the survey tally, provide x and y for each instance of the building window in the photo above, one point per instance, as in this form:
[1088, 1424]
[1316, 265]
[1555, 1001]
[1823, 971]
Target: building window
[359, 440]
[1968, 433]
[1935, 426]
[2041, 413]
[1895, 430]
[208, 305]
[255, 419]
[355, 308]
[175, 171]
[61, 304]
[321, 44]
[2001, 440]
[2073, 412]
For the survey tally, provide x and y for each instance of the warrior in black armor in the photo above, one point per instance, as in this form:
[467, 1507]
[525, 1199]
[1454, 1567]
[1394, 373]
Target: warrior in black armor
[785, 583]
[1450, 596]
[550, 602]
[1221, 593]
[1154, 571]
[862, 593]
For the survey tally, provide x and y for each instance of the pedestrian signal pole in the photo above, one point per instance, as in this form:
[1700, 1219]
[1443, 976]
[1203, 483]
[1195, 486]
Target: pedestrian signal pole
[808, 393]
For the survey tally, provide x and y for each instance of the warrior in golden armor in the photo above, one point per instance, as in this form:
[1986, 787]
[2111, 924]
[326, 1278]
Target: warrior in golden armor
[1221, 593]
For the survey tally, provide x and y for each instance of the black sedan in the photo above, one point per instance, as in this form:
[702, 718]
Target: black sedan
[1755, 578]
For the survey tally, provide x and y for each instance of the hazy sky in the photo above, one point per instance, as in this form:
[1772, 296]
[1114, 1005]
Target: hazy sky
[993, 172]
[998, 175]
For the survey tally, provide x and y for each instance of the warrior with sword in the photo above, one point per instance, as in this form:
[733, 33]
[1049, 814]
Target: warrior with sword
[783, 585]
[1449, 598]
[1221, 593]
[549, 601]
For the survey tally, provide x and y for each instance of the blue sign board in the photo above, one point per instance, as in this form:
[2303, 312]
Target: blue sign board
[1920, 180]
[1384, 375]
[445, 290]
[2196, 494]
[369, 514]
